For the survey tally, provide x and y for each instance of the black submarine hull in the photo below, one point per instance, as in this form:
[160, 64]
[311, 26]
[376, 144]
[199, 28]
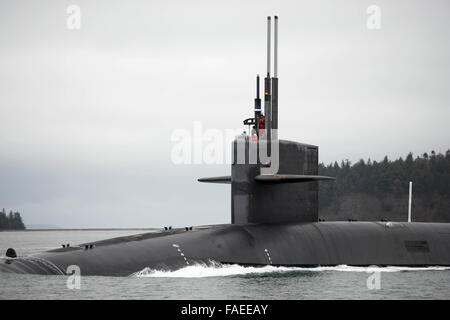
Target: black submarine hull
[285, 244]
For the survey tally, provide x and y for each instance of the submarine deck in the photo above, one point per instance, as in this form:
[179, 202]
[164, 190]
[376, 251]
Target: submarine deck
[283, 244]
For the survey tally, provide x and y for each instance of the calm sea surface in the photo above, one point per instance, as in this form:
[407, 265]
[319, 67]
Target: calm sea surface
[221, 282]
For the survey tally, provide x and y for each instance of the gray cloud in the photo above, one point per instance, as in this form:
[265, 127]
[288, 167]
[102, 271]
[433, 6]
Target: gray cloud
[86, 116]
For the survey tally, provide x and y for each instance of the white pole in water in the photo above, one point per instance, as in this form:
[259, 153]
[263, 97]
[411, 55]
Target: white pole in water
[409, 202]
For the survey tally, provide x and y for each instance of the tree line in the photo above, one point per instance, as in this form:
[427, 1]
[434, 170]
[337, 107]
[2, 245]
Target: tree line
[11, 221]
[371, 190]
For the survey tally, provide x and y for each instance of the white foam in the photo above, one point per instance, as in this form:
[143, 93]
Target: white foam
[223, 270]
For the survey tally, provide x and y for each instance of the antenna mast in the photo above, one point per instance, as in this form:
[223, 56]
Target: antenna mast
[274, 114]
[257, 107]
[267, 102]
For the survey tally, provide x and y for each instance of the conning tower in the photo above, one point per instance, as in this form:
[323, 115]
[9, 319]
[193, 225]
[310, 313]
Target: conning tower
[272, 180]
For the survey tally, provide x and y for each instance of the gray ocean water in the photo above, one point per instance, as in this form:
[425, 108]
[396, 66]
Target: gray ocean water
[220, 282]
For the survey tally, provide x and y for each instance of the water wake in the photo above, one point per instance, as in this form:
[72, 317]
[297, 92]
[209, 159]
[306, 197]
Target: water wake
[225, 270]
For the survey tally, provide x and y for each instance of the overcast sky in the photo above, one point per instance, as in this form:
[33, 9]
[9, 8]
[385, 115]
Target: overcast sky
[86, 116]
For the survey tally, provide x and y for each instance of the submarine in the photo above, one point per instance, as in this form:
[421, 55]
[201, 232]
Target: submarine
[274, 217]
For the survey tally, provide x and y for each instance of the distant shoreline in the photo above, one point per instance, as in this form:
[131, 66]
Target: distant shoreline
[85, 229]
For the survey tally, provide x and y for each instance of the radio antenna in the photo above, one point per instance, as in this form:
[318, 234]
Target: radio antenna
[267, 102]
[274, 114]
